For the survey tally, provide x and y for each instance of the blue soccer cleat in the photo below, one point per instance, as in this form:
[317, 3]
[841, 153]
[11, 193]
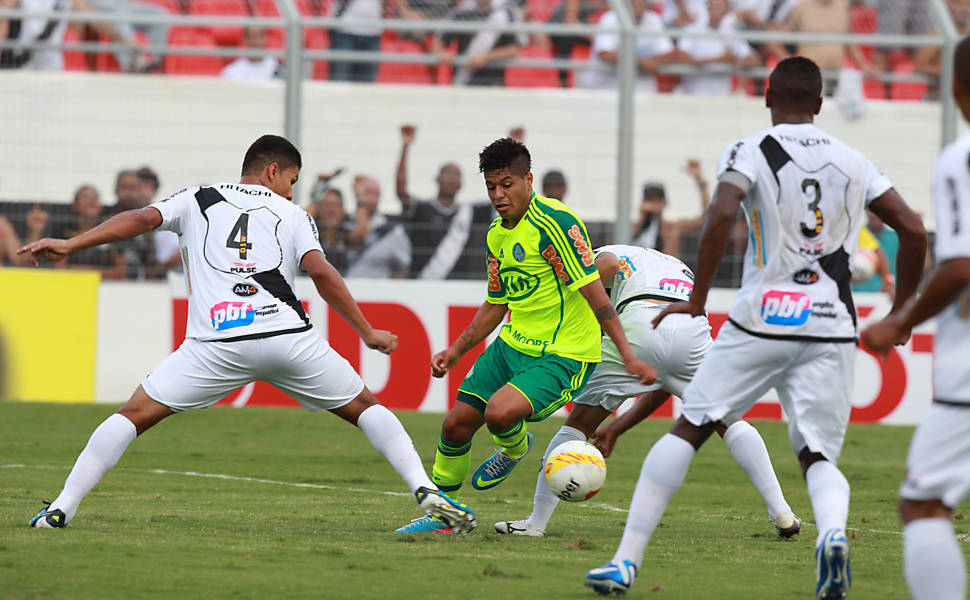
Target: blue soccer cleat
[832, 566]
[456, 516]
[612, 578]
[425, 525]
[499, 466]
[49, 519]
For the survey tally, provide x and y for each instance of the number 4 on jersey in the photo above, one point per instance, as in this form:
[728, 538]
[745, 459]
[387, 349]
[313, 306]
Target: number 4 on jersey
[241, 228]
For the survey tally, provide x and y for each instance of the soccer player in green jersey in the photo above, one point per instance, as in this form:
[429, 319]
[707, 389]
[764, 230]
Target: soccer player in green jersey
[540, 267]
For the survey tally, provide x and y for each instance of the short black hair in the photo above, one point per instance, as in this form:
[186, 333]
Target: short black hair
[796, 82]
[505, 153]
[124, 173]
[146, 173]
[553, 177]
[271, 149]
[961, 64]
[654, 189]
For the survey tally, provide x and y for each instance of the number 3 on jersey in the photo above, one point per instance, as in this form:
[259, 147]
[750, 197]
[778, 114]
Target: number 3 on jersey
[822, 198]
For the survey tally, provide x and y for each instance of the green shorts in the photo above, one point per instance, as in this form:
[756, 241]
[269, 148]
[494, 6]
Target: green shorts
[547, 382]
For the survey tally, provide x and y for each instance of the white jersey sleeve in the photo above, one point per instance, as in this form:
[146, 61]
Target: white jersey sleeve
[951, 204]
[739, 156]
[877, 183]
[174, 209]
[305, 237]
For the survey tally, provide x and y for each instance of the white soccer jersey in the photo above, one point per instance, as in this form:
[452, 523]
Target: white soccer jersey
[241, 247]
[804, 209]
[647, 274]
[951, 201]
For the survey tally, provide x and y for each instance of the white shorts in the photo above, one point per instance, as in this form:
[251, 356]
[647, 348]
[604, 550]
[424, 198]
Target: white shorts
[675, 349]
[938, 465]
[813, 381]
[302, 365]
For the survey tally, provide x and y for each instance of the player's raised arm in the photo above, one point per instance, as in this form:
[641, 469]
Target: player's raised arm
[595, 295]
[332, 288]
[714, 239]
[122, 226]
[908, 225]
[487, 318]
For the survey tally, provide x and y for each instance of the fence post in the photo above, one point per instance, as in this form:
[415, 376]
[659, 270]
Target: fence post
[626, 78]
[293, 91]
[944, 24]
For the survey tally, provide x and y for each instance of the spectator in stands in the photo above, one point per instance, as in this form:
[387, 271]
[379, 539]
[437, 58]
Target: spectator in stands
[255, 67]
[157, 33]
[702, 52]
[651, 229]
[137, 252]
[486, 51]
[683, 13]
[554, 185]
[86, 212]
[651, 52]
[361, 39]
[573, 12]
[886, 247]
[823, 16]
[386, 251]
[339, 232]
[926, 59]
[40, 30]
[37, 219]
[899, 17]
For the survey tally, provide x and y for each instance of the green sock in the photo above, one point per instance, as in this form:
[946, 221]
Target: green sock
[451, 464]
[514, 441]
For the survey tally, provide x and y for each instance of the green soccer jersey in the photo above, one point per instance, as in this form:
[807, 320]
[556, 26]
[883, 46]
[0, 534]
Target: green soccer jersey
[537, 268]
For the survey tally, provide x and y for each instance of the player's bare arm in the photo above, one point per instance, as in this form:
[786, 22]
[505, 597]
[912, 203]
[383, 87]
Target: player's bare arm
[605, 435]
[947, 281]
[485, 321]
[596, 297]
[714, 239]
[908, 225]
[332, 288]
[607, 265]
[122, 226]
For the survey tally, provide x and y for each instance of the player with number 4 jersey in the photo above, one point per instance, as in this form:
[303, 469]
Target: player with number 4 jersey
[793, 324]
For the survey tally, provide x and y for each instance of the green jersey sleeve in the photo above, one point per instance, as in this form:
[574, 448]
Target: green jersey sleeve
[565, 246]
[496, 290]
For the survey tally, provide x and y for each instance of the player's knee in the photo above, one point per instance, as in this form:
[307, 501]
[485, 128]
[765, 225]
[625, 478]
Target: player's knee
[913, 510]
[692, 434]
[501, 418]
[807, 458]
[456, 430]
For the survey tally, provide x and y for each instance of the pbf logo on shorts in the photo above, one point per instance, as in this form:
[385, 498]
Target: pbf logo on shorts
[785, 308]
[228, 315]
[678, 287]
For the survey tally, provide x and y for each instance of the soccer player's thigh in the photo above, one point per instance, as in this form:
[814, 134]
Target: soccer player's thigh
[306, 368]
[938, 464]
[199, 374]
[737, 371]
[815, 392]
[550, 382]
[491, 371]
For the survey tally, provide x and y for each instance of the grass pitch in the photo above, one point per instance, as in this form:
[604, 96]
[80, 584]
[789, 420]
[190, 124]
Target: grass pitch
[281, 503]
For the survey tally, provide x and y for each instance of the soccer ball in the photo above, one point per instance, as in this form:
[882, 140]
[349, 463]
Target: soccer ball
[575, 471]
[863, 265]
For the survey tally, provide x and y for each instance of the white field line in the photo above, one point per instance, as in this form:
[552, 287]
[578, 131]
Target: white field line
[317, 486]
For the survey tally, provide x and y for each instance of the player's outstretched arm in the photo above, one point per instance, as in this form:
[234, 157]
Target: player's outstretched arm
[122, 226]
[596, 297]
[487, 318]
[332, 288]
[714, 239]
[947, 281]
[908, 225]
[605, 435]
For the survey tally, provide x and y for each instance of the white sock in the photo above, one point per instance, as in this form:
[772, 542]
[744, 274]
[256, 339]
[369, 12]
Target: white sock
[105, 446]
[388, 436]
[829, 491]
[545, 501]
[932, 561]
[749, 451]
[662, 474]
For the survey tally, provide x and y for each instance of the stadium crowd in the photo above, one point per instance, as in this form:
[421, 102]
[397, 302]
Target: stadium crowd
[714, 66]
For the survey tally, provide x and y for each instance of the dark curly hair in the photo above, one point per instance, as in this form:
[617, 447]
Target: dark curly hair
[796, 82]
[505, 153]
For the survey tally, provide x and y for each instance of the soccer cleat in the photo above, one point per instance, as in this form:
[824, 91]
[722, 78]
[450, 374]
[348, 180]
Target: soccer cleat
[788, 525]
[832, 566]
[49, 519]
[518, 528]
[499, 466]
[612, 578]
[457, 516]
[425, 525]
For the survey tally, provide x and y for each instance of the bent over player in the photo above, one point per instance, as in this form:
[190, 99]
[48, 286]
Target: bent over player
[642, 282]
[242, 245]
[540, 268]
[793, 324]
[938, 465]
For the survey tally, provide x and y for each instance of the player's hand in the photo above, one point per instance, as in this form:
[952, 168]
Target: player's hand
[443, 361]
[381, 340]
[885, 334]
[643, 370]
[604, 438]
[48, 248]
[476, 62]
[678, 308]
[407, 134]
[517, 133]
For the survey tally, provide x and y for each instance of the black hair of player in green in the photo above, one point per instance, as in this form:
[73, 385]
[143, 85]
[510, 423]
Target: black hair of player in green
[796, 83]
[961, 76]
[271, 149]
[505, 153]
